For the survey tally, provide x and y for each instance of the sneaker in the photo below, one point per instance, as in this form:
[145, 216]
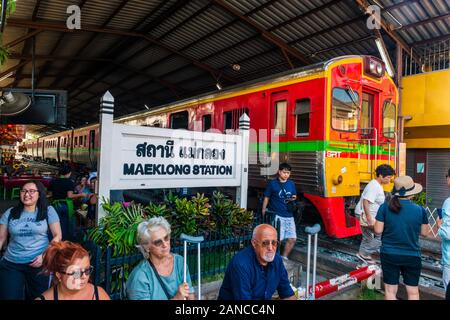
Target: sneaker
[366, 260]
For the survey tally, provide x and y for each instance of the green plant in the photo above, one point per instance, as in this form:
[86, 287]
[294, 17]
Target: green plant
[369, 294]
[119, 227]
[4, 52]
[421, 199]
[156, 210]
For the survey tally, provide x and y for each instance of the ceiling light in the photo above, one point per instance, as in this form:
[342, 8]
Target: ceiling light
[385, 56]
[219, 86]
[146, 107]
[236, 67]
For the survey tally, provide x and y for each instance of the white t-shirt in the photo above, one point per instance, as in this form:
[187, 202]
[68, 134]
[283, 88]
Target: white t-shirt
[374, 193]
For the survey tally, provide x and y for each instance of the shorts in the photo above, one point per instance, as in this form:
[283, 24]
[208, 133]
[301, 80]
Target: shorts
[394, 265]
[287, 227]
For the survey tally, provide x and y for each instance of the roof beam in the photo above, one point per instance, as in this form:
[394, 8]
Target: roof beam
[420, 23]
[364, 5]
[265, 34]
[23, 38]
[27, 45]
[63, 28]
[431, 40]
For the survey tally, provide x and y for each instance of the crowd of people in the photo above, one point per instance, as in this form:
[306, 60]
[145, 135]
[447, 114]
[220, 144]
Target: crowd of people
[40, 263]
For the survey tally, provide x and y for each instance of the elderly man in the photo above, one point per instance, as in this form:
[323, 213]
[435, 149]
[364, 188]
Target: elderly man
[257, 271]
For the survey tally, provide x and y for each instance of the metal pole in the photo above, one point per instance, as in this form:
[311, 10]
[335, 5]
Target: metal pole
[314, 268]
[185, 261]
[198, 272]
[307, 267]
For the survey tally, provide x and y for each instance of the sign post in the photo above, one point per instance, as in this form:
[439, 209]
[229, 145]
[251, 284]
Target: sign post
[241, 192]
[104, 158]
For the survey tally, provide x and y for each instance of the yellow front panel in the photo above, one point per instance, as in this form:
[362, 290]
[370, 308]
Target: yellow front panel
[349, 170]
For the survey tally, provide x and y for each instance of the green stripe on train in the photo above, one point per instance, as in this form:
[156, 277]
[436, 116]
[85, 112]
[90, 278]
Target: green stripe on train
[320, 145]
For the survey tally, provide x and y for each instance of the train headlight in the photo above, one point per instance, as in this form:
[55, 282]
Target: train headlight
[337, 179]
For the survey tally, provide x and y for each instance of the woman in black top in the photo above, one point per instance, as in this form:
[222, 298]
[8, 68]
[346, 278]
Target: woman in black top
[69, 263]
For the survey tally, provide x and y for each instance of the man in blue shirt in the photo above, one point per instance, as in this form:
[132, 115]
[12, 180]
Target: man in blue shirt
[279, 192]
[257, 271]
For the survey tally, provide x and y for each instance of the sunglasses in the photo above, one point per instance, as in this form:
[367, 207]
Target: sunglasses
[77, 274]
[266, 243]
[159, 242]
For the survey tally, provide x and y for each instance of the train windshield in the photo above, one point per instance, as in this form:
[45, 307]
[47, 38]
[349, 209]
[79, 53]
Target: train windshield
[389, 119]
[345, 106]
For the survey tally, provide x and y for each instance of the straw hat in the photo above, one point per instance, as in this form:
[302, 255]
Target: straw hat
[404, 186]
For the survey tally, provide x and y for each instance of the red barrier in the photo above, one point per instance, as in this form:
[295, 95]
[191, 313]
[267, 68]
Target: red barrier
[329, 286]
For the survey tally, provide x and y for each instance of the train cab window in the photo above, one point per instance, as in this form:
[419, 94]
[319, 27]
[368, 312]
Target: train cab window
[302, 111]
[345, 105]
[206, 122]
[389, 119]
[179, 120]
[231, 119]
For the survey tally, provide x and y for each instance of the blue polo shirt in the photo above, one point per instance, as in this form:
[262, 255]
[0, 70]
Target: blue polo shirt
[278, 193]
[401, 230]
[246, 279]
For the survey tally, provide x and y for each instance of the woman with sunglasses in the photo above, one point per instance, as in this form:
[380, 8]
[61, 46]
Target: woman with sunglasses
[70, 266]
[160, 275]
[27, 226]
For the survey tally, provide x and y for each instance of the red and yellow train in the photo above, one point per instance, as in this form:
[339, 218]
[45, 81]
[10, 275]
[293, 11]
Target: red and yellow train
[334, 122]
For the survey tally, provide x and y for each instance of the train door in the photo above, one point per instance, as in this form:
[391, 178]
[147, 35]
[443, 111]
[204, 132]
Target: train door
[91, 145]
[369, 137]
[278, 151]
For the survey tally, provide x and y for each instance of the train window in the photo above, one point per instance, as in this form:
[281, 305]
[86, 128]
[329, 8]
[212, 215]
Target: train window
[206, 121]
[389, 119]
[81, 141]
[179, 120]
[231, 119]
[302, 111]
[280, 116]
[366, 113]
[345, 106]
[85, 140]
[76, 141]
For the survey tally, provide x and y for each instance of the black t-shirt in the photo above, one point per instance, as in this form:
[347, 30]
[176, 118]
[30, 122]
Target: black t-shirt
[60, 186]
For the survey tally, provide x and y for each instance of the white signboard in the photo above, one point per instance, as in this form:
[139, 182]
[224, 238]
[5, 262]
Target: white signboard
[147, 157]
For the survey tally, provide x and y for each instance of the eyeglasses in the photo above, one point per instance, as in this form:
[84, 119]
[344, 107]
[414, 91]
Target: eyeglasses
[77, 274]
[30, 192]
[266, 243]
[159, 242]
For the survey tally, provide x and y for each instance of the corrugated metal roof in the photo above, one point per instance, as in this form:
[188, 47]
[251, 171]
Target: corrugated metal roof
[198, 42]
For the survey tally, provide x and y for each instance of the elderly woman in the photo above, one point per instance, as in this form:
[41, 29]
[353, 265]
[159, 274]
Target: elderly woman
[160, 275]
[27, 225]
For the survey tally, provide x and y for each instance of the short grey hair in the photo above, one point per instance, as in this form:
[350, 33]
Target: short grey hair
[145, 231]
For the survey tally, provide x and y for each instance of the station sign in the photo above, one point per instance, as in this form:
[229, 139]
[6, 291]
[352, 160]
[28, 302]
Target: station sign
[148, 157]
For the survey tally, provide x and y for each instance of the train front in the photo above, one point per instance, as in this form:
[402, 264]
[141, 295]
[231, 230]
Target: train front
[361, 113]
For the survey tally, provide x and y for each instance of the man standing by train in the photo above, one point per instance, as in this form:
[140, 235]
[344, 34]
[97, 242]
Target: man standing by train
[371, 199]
[278, 194]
